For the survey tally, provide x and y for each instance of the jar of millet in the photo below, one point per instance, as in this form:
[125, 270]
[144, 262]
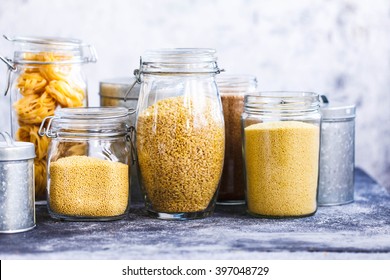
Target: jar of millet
[88, 163]
[281, 134]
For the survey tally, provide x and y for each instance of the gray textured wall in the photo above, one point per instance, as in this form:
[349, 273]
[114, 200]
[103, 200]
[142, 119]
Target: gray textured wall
[341, 48]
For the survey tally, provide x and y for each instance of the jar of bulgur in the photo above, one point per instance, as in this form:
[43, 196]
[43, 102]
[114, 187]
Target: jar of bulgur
[232, 89]
[88, 163]
[281, 132]
[180, 132]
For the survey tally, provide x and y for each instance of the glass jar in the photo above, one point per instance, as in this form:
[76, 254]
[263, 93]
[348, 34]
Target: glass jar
[281, 132]
[88, 163]
[180, 132]
[337, 160]
[45, 74]
[114, 92]
[232, 89]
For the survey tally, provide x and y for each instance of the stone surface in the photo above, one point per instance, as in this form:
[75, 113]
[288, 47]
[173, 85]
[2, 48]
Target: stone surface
[337, 47]
[360, 230]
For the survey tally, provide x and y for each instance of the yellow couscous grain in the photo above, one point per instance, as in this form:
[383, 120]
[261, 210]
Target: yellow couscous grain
[281, 161]
[180, 146]
[88, 187]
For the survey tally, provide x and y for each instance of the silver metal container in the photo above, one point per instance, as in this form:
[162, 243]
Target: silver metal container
[114, 92]
[17, 194]
[337, 159]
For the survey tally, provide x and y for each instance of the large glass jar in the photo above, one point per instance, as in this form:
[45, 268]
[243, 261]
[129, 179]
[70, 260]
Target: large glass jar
[180, 132]
[232, 89]
[45, 74]
[281, 132]
[88, 163]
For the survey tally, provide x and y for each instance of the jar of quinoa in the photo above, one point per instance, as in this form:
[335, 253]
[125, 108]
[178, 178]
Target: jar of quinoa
[281, 153]
[88, 163]
[232, 89]
[180, 132]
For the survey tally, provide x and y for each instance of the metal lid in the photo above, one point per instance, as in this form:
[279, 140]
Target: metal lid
[336, 111]
[15, 150]
[118, 87]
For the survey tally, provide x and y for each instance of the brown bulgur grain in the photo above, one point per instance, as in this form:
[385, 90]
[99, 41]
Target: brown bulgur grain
[282, 168]
[86, 186]
[180, 145]
[232, 180]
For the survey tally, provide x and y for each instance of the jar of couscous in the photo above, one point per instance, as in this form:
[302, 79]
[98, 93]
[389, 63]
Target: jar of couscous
[180, 132]
[281, 132]
[44, 74]
[88, 163]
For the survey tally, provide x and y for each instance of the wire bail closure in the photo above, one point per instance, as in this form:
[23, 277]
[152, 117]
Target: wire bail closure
[47, 131]
[137, 75]
[11, 68]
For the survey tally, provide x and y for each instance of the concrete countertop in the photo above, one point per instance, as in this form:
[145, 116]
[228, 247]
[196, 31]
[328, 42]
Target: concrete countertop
[360, 230]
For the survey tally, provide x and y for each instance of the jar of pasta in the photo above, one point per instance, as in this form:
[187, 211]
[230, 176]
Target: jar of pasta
[44, 74]
[281, 134]
[232, 89]
[88, 163]
[180, 132]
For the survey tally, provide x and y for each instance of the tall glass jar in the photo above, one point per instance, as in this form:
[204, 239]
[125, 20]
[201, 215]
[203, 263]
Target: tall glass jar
[45, 74]
[88, 163]
[180, 132]
[232, 89]
[281, 132]
[337, 160]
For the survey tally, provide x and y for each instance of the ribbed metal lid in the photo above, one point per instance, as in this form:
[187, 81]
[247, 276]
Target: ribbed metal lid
[118, 87]
[15, 150]
[336, 111]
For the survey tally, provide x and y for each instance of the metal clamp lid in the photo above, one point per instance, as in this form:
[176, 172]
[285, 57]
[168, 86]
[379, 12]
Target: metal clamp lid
[72, 45]
[15, 150]
[336, 111]
[140, 71]
[84, 118]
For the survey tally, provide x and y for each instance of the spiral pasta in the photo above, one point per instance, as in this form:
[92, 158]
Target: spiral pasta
[44, 87]
[31, 83]
[64, 94]
[29, 133]
[32, 109]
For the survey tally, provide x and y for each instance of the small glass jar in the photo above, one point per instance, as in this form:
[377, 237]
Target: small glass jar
[88, 163]
[232, 89]
[337, 160]
[281, 132]
[180, 132]
[45, 74]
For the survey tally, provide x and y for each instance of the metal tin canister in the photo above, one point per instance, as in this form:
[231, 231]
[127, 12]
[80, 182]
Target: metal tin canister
[337, 157]
[17, 194]
[115, 92]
